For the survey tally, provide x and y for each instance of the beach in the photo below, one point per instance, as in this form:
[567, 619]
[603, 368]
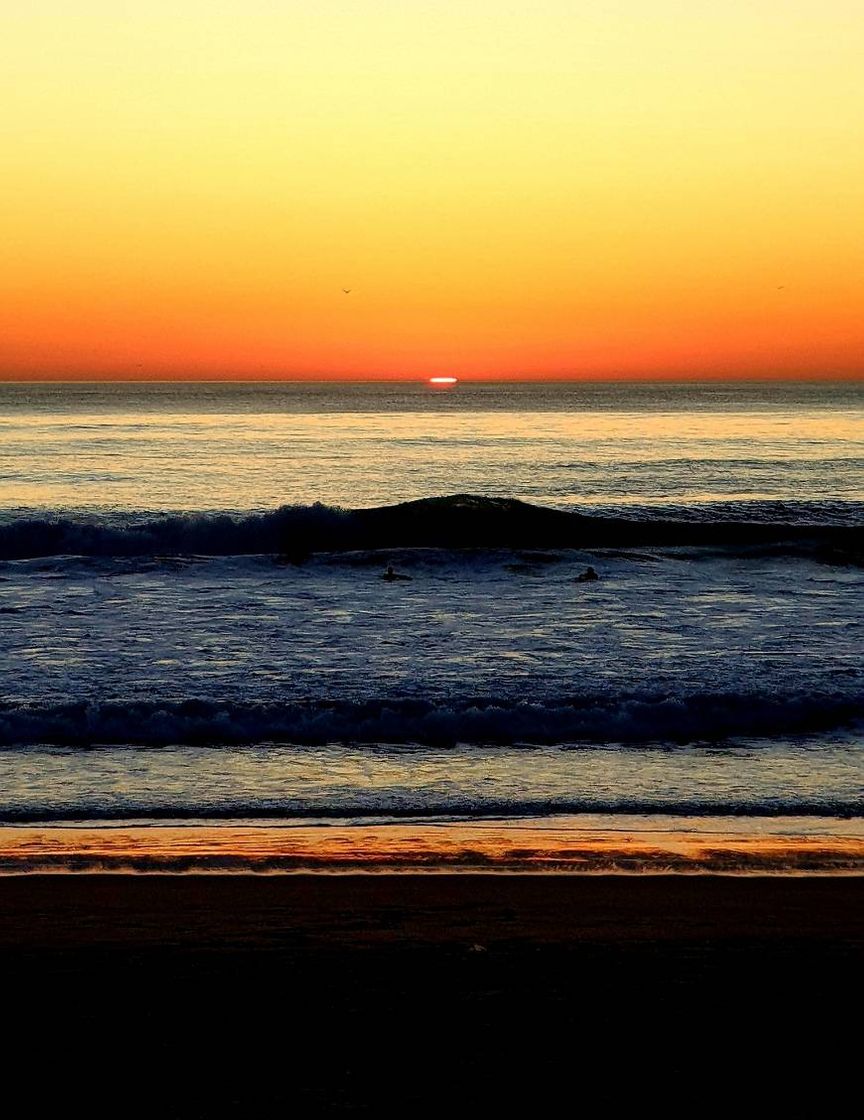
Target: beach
[231, 995]
[431, 561]
[279, 836]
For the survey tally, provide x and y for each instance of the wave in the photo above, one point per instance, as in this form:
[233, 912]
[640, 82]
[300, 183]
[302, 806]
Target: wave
[460, 521]
[414, 809]
[639, 718]
[787, 513]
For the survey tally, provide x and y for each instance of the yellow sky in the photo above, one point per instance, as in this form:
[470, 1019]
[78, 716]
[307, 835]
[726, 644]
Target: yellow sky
[561, 188]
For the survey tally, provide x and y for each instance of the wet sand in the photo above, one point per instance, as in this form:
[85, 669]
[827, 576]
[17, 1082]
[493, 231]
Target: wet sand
[595, 843]
[218, 995]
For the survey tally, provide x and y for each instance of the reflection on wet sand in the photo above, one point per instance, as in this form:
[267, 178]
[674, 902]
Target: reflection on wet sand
[559, 845]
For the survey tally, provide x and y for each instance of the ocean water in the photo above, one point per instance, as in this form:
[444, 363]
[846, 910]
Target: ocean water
[195, 633]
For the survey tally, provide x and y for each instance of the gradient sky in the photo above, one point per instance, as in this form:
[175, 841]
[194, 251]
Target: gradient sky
[561, 189]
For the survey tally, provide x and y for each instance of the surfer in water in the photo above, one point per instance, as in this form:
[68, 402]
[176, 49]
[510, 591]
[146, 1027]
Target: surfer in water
[391, 576]
[588, 576]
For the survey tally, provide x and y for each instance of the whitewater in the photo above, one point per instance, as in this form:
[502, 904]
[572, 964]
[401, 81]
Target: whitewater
[194, 626]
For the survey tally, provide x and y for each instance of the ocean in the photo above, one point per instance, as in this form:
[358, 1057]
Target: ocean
[201, 665]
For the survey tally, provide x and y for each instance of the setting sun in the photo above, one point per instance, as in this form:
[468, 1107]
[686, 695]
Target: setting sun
[431, 533]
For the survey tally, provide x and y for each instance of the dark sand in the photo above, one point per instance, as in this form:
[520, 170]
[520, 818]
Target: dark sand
[445, 994]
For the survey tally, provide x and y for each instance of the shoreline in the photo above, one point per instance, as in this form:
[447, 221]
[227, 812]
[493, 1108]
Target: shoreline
[421, 873]
[566, 845]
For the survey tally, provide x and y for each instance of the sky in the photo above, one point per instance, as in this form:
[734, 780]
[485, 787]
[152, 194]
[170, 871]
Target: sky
[555, 189]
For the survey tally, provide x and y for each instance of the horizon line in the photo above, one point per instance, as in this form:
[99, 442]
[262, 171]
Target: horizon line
[461, 379]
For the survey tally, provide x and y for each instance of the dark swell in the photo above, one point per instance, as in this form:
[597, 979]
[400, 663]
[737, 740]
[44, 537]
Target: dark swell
[460, 521]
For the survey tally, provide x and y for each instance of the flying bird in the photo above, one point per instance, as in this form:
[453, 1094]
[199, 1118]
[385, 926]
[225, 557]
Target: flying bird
[347, 291]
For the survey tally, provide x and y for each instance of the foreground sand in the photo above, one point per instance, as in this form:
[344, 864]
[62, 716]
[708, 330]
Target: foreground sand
[216, 995]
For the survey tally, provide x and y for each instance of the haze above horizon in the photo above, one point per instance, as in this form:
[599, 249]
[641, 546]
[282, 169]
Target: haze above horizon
[394, 191]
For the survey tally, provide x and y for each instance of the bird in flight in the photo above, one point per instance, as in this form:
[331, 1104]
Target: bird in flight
[347, 291]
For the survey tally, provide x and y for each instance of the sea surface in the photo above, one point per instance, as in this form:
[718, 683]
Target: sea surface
[201, 664]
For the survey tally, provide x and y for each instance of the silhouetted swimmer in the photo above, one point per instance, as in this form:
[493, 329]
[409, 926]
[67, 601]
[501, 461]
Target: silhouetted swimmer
[588, 576]
[391, 576]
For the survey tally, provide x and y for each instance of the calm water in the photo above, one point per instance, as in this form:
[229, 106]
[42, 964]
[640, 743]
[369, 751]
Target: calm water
[207, 447]
[180, 686]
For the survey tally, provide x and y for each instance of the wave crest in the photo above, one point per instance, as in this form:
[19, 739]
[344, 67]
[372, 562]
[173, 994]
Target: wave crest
[591, 719]
[458, 521]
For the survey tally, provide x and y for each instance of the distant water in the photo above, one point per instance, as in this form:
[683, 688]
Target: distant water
[187, 447]
[174, 647]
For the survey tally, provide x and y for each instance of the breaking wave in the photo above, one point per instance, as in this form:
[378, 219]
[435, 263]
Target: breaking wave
[457, 521]
[384, 811]
[586, 719]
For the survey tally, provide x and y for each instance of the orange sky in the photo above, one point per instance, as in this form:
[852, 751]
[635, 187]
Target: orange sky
[556, 189]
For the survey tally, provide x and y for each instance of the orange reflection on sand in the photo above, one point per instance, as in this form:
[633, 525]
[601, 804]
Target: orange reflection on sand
[479, 846]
